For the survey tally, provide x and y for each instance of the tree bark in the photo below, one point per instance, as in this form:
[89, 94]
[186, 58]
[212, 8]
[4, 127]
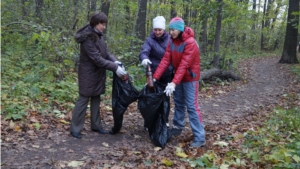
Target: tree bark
[25, 11]
[141, 20]
[216, 61]
[173, 10]
[289, 54]
[38, 9]
[186, 15]
[262, 39]
[105, 9]
[204, 32]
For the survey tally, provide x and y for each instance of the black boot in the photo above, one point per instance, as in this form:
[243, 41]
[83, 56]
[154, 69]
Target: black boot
[76, 135]
[100, 130]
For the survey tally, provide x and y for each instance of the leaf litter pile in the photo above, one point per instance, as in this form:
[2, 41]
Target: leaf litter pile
[228, 110]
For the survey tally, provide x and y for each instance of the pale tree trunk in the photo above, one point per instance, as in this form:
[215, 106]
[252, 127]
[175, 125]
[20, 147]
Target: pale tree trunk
[141, 20]
[216, 61]
[289, 54]
[279, 5]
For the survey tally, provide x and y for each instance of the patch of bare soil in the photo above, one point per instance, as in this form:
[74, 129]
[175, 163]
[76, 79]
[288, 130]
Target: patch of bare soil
[226, 110]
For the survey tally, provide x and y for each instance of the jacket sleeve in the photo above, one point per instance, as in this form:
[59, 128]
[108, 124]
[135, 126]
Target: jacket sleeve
[164, 63]
[186, 60]
[145, 52]
[94, 54]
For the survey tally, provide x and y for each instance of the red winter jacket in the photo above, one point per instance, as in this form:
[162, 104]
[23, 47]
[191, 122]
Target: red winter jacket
[184, 55]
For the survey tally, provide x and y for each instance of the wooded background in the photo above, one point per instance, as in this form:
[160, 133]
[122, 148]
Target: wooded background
[39, 54]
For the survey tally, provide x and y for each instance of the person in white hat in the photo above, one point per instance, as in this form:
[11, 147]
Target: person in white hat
[154, 49]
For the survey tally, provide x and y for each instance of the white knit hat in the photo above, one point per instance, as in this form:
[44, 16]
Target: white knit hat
[159, 22]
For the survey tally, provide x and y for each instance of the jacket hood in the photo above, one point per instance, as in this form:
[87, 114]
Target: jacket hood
[187, 33]
[86, 32]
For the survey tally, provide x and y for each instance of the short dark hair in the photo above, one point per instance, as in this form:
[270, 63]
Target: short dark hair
[98, 17]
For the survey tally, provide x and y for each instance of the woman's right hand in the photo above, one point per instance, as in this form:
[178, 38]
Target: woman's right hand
[120, 72]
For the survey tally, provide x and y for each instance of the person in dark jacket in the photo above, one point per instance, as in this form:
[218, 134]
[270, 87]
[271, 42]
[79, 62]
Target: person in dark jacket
[183, 53]
[95, 59]
[153, 50]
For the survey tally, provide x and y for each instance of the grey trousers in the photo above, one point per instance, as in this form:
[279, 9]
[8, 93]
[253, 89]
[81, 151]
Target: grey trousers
[80, 112]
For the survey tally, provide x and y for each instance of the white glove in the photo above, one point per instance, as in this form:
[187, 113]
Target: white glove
[120, 72]
[145, 62]
[154, 80]
[118, 62]
[170, 88]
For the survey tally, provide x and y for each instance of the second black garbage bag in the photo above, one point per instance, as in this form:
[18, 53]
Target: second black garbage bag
[123, 94]
[153, 106]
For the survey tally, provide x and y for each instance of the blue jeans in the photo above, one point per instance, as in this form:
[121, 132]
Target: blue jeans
[186, 98]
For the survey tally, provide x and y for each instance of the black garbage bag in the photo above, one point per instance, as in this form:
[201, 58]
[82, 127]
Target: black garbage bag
[153, 106]
[123, 94]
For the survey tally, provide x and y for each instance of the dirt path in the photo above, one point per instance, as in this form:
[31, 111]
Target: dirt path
[264, 82]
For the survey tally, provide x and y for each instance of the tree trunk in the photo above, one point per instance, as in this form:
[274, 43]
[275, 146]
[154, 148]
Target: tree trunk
[126, 27]
[254, 15]
[105, 9]
[141, 20]
[38, 9]
[186, 15]
[262, 40]
[204, 32]
[25, 11]
[216, 61]
[93, 6]
[173, 10]
[75, 14]
[289, 54]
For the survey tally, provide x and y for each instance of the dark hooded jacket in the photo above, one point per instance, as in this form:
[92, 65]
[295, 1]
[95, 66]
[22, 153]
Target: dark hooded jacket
[154, 49]
[95, 59]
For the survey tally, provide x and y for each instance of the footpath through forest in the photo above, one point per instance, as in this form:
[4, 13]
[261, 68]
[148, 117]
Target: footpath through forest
[227, 111]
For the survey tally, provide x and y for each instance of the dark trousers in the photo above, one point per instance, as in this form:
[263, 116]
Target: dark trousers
[80, 112]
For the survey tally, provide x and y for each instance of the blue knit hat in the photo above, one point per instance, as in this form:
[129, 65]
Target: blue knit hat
[177, 23]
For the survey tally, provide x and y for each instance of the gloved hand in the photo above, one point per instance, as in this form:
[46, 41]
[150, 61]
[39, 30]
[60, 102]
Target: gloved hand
[154, 80]
[120, 72]
[118, 62]
[145, 62]
[170, 88]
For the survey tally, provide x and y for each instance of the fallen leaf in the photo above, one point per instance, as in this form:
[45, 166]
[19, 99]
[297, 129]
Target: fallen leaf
[17, 128]
[64, 122]
[75, 163]
[224, 166]
[181, 154]
[157, 148]
[221, 143]
[167, 162]
[105, 144]
[137, 136]
[35, 146]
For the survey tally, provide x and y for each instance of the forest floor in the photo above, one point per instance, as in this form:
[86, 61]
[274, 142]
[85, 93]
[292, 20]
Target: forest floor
[228, 110]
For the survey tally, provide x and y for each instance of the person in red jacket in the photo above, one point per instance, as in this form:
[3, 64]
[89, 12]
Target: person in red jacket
[183, 53]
